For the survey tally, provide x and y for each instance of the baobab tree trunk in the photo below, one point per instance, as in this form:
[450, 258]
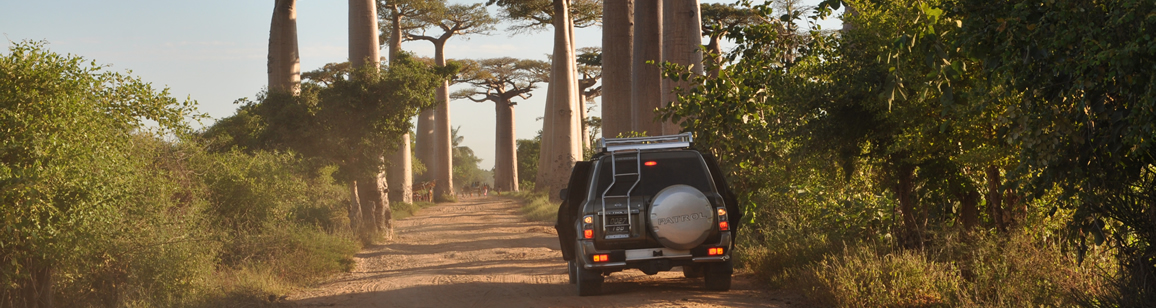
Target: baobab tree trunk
[578, 102]
[646, 92]
[563, 79]
[546, 146]
[426, 145]
[284, 61]
[445, 159]
[499, 148]
[401, 166]
[363, 51]
[506, 164]
[681, 42]
[617, 51]
[583, 129]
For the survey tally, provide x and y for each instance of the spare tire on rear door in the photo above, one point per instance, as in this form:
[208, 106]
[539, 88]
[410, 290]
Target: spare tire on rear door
[681, 217]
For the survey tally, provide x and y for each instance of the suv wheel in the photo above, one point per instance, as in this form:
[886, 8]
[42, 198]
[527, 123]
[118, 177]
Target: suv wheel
[572, 267]
[718, 275]
[589, 282]
[692, 271]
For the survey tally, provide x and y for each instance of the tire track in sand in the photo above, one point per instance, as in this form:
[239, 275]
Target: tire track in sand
[481, 253]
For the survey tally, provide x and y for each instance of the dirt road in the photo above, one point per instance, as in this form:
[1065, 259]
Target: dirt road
[482, 253]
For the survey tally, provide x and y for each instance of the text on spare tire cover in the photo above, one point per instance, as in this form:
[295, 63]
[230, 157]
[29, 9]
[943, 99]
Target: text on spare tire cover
[682, 218]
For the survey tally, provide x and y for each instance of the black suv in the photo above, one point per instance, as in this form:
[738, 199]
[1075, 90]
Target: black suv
[648, 203]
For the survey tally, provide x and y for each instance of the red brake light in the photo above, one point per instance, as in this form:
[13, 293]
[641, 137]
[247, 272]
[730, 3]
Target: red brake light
[714, 251]
[588, 233]
[600, 258]
[650, 163]
[723, 225]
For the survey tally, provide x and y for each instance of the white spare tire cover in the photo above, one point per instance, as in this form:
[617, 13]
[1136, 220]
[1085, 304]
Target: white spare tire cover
[681, 217]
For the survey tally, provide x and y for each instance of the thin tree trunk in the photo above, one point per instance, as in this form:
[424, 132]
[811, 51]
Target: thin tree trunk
[284, 61]
[617, 51]
[969, 210]
[646, 92]
[995, 198]
[681, 42]
[904, 189]
[401, 167]
[445, 159]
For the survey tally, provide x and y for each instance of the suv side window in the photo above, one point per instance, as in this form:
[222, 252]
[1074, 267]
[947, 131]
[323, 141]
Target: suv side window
[659, 170]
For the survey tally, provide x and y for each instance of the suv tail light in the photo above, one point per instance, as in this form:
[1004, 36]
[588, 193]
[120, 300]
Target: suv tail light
[600, 258]
[715, 251]
[722, 220]
[588, 227]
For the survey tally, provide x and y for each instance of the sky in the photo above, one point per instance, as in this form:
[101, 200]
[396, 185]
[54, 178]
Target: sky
[214, 51]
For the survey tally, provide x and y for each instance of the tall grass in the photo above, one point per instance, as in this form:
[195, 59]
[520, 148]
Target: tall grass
[536, 206]
[1015, 271]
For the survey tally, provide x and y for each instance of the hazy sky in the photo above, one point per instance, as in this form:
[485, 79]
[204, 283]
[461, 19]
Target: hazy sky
[214, 51]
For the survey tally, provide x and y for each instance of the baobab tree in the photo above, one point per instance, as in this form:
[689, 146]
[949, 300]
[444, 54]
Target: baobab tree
[500, 80]
[284, 60]
[682, 45]
[617, 52]
[646, 81]
[363, 52]
[455, 19]
[400, 16]
[561, 146]
[561, 141]
[538, 15]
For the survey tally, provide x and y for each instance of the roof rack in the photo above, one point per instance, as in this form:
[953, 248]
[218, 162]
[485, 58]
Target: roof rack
[682, 140]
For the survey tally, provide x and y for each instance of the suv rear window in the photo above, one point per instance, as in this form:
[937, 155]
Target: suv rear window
[659, 170]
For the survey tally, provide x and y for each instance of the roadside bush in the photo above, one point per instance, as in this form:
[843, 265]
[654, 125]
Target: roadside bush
[987, 271]
[863, 277]
[100, 209]
[536, 206]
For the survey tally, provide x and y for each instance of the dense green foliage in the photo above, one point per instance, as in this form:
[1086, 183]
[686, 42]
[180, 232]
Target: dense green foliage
[466, 170]
[900, 141]
[343, 116]
[108, 200]
[528, 150]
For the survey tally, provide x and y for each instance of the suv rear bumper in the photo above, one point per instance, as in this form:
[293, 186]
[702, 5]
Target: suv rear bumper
[635, 258]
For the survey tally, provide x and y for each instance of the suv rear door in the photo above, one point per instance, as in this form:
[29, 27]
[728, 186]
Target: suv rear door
[571, 206]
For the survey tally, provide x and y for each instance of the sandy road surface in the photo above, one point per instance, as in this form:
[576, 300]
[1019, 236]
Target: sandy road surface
[482, 253]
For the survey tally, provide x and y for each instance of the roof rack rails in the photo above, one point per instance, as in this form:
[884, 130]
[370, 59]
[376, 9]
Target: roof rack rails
[682, 140]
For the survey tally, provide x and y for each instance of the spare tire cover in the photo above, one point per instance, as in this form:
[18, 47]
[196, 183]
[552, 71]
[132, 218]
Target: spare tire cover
[681, 217]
